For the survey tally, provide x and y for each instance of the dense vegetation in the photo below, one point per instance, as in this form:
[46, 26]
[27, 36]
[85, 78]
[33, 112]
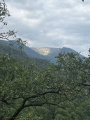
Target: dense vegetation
[20, 54]
[54, 93]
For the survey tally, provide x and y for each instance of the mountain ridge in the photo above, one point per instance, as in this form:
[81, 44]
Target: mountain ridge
[46, 53]
[5, 48]
[53, 52]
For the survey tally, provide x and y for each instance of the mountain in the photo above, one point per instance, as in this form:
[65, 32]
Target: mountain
[5, 48]
[42, 53]
[51, 53]
[29, 51]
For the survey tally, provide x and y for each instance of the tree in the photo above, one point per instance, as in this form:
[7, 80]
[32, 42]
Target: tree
[11, 33]
[72, 64]
[3, 14]
[87, 70]
[23, 86]
[79, 109]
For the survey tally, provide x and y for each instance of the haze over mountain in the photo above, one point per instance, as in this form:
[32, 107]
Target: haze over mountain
[5, 48]
[51, 53]
[42, 53]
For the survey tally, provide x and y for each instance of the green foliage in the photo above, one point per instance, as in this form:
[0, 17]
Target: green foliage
[14, 78]
[3, 14]
[20, 54]
[76, 110]
[23, 86]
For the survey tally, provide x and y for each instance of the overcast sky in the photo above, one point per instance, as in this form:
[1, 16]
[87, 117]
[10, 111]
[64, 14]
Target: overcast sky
[52, 23]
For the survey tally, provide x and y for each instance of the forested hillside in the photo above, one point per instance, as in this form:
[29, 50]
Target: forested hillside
[20, 54]
[54, 93]
[48, 54]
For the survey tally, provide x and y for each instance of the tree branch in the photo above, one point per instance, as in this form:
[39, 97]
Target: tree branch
[18, 111]
[41, 104]
[42, 94]
[84, 84]
[4, 101]
[36, 104]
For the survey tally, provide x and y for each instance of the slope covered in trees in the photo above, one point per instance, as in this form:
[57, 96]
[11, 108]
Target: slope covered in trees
[20, 54]
[23, 89]
[48, 54]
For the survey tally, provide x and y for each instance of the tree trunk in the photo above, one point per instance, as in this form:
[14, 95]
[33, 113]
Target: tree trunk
[16, 113]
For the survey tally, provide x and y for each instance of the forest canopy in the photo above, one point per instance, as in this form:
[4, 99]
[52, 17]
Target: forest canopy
[23, 86]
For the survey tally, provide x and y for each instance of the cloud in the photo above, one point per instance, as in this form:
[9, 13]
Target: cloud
[52, 23]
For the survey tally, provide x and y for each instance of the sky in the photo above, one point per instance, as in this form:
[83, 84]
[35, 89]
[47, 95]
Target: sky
[52, 23]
